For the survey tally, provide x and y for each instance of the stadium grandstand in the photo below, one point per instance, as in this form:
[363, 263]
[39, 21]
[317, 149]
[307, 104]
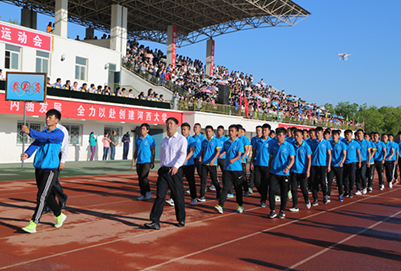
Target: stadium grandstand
[113, 83]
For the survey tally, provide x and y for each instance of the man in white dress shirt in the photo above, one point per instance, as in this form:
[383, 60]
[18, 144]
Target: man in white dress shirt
[173, 152]
[57, 189]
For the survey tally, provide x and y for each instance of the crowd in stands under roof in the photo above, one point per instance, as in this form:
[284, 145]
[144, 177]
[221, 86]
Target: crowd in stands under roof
[190, 76]
[105, 90]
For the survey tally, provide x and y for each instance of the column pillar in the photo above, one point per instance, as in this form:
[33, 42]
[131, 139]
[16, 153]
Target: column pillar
[28, 18]
[118, 32]
[171, 44]
[210, 57]
[61, 18]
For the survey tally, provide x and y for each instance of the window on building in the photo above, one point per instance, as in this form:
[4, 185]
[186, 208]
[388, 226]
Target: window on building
[74, 132]
[42, 62]
[12, 57]
[109, 129]
[80, 68]
[31, 125]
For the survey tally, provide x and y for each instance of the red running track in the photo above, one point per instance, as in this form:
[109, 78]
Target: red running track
[104, 231]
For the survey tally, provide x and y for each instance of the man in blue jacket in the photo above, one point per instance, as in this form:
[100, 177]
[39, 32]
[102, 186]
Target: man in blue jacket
[47, 145]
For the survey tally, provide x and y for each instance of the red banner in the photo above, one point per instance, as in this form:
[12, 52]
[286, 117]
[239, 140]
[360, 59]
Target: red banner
[174, 53]
[26, 38]
[212, 59]
[89, 111]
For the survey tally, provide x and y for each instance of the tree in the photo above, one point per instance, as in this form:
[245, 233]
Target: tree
[346, 109]
[329, 107]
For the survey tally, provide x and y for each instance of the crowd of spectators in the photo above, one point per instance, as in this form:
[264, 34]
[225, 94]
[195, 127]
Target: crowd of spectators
[105, 90]
[201, 89]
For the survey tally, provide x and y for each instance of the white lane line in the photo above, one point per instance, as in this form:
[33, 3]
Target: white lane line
[195, 222]
[342, 241]
[263, 231]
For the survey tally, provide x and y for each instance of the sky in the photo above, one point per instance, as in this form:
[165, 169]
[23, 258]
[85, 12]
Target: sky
[302, 59]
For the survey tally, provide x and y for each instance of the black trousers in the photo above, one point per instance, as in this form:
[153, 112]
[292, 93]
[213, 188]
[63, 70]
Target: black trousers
[319, 176]
[189, 173]
[399, 168]
[299, 179]
[379, 169]
[230, 179]
[261, 181]
[198, 166]
[45, 179]
[349, 177]
[278, 182]
[125, 151]
[389, 166]
[222, 164]
[252, 179]
[338, 172]
[361, 176]
[213, 176]
[244, 176]
[370, 174]
[143, 172]
[166, 181]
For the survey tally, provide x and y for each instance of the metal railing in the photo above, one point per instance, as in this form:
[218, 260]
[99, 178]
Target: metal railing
[235, 111]
[157, 81]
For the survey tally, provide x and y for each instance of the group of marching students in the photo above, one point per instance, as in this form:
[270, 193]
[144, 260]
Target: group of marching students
[281, 161]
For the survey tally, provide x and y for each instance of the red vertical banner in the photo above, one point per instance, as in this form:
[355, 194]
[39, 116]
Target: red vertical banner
[212, 59]
[174, 45]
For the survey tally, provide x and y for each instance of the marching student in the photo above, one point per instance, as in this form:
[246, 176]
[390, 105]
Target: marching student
[210, 152]
[260, 162]
[352, 161]
[173, 152]
[198, 137]
[321, 165]
[144, 155]
[282, 156]
[398, 142]
[254, 139]
[221, 161]
[338, 155]
[389, 160]
[371, 163]
[380, 158]
[395, 158]
[361, 171]
[47, 145]
[233, 148]
[247, 146]
[189, 164]
[300, 171]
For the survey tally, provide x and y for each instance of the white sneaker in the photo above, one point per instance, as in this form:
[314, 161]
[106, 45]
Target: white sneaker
[308, 205]
[212, 188]
[141, 198]
[364, 191]
[390, 185]
[193, 202]
[188, 191]
[148, 195]
[294, 209]
[358, 193]
[370, 189]
[170, 201]
[381, 187]
[219, 209]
